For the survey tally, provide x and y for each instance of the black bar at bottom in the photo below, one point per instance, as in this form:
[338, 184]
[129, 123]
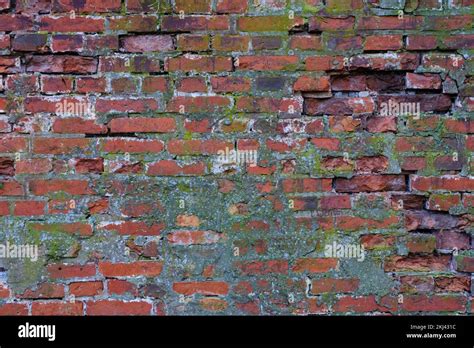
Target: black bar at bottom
[217, 330]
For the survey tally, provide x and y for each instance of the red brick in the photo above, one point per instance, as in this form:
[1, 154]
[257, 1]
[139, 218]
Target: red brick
[66, 271]
[137, 268]
[454, 284]
[361, 305]
[11, 188]
[390, 23]
[426, 81]
[74, 228]
[192, 84]
[9, 64]
[354, 223]
[4, 211]
[443, 202]
[67, 43]
[170, 167]
[90, 85]
[62, 64]
[116, 307]
[263, 267]
[310, 265]
[59, 145]
[417, 263]
[197, 126]
[268, 104]
[147, 43]
[121, 287]
[306, 42]
[436, 303]
[142, 125]
[134, 228]
[213, 288]
[196, 6]
[230, 43]
[345, 106]
[331, 24]
[194, 23]
[325, 285]
[267, 63]
[449, 22]
[199, 63]
[193, 147]
[421, 42]
[383, 43]
[230, 84]
[377, 241]
[4, 41]
[14, 309]
[307, 185]
[197, 104]
[446, 183]
[193, 237]
[309, 84]
[28, 208]
[268, 23]
[124, 145]
[4, 291]
[57, 308]
[44, 291]
[134, 23]
[75, 125]
[230, 6]
[56, 84]
[13, 22]
[125, 105]
[73, 187]
[4, 4]
[465, 264]
[30, 42]
[152, 84]
[87, 6]
[33, 166]
[193, 42]
[67, 24]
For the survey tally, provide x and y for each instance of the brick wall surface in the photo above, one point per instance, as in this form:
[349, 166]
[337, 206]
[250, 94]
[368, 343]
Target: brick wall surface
[352, 121]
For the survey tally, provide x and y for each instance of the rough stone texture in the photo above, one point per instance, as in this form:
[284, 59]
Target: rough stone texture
[114, 115]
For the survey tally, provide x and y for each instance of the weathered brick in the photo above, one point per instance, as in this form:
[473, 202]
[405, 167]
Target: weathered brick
[116, 307]
[147, 43]
[114, 117]
[134, 23]
[57, 308]
[205, 288]
[67, 24]
[199, 63]
[30, 42]
[268, 23]
[87, 6]
[194, 23]
[137, 228]
[66, 271]
[62, 64]
[145, 268]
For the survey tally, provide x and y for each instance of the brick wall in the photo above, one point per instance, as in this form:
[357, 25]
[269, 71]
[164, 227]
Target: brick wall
[351, 124]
